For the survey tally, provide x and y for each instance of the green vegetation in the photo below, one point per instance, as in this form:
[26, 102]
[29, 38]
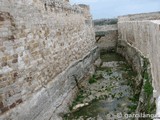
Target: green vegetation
[132, 73]
[146, 75]
[79, 99]
[135, 98]
[125, 67]
[128, 78]
[95, 77]
[109, 71]
[105, 69]
[148, 89]
[110, 57]
[106, 21]
[153, 107]
[132, 108]
[92, 79]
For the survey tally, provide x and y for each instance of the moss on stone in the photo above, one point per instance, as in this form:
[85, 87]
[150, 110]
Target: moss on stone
[110, 56]
[132, 108]
[92, 79]
[148, 89]
[135, 98]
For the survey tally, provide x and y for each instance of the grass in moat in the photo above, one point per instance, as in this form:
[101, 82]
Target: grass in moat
[109, 91]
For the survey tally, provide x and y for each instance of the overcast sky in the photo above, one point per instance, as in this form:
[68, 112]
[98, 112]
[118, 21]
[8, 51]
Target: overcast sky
[114, 8]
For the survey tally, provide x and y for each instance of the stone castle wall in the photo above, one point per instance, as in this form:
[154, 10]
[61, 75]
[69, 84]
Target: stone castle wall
[145, 37]
[40, 40]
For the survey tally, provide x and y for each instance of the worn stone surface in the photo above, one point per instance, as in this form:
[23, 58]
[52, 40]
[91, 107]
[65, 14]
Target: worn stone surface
[108, 93]
[143, 83]
[110, 37]
[138, 42]
[144, 36]
[39, 40]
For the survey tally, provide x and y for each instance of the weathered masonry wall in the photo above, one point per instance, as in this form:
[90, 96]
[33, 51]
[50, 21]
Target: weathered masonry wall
[143, 89]
[43, 43]
[138, 41]
[145, 37]
[106, 36]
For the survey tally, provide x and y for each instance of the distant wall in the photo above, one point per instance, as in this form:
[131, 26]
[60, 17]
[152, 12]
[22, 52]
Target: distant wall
[43, 43]
[106, 35]
[140, 17]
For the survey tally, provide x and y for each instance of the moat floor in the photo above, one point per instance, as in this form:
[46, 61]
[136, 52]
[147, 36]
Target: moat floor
[109, 94]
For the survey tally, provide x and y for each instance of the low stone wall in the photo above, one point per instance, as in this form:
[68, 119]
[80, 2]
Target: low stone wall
[106, 36]
[99, 28]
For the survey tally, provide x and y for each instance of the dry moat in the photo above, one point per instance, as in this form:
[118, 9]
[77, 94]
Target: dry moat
[50, 67]
[109, 93]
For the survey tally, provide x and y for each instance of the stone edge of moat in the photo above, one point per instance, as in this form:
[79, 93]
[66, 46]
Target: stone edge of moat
[141, 64]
